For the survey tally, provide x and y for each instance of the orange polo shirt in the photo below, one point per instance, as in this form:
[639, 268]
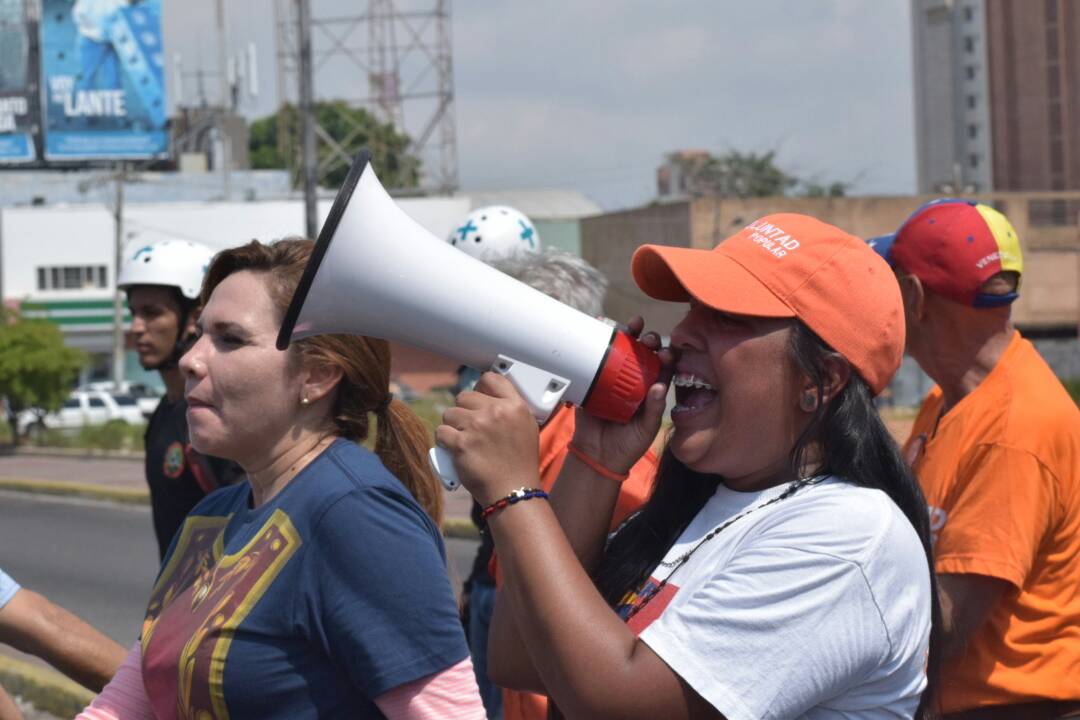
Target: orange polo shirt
[1001, 474]
[554, 438]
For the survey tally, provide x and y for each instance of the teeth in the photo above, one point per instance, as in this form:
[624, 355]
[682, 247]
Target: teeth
[692, 381]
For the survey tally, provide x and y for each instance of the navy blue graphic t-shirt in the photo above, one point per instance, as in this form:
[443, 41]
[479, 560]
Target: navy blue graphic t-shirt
[311, 606]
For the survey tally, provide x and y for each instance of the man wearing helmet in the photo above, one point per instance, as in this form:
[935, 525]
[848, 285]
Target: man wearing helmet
[163, 281]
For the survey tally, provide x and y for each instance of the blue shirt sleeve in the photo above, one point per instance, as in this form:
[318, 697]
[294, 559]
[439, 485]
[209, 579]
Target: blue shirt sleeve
[380, 601]
[8, 588]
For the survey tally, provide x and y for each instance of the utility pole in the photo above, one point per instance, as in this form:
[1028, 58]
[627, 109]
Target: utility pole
[118, 298]
[308, 159]
[226, 103]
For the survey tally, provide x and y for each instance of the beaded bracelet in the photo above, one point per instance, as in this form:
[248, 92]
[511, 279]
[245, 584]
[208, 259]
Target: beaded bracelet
[517, 496]
[595, 464]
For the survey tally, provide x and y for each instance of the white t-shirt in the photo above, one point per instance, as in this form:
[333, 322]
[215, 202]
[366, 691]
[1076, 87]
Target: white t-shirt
[816, 606]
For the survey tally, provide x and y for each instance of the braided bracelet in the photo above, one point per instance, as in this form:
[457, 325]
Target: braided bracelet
[595, 465]
[517, 496]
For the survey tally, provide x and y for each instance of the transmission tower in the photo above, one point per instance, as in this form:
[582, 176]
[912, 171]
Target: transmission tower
[394, 60]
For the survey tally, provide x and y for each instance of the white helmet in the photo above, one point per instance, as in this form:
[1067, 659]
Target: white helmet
[175, 263]
[495, 232]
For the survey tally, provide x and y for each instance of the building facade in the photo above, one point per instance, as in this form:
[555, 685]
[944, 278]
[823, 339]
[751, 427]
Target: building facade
[997, 97]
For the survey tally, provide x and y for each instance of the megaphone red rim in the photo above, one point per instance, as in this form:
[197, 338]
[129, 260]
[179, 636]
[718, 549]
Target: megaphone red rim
[326, 235]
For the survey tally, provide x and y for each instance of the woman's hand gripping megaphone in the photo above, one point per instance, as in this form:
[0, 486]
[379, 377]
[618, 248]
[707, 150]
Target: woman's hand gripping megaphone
[490, 436]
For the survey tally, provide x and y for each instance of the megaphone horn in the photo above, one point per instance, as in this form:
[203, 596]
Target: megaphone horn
[376, 272]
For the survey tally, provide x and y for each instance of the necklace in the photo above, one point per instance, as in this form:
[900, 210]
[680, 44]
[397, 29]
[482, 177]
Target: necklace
[678, 562]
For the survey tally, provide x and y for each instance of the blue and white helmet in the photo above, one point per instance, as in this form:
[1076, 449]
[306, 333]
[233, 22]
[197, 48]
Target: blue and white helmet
[176, 263]
[494, 233]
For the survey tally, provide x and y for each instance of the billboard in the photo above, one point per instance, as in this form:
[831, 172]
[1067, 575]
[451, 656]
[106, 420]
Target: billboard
[18, 85]
[103, 95]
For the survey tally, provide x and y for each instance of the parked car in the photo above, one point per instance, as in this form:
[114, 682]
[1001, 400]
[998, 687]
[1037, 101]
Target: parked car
[84, 407]
[146, 397]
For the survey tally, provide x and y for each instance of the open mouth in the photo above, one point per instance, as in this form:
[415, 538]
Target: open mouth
[691, 393]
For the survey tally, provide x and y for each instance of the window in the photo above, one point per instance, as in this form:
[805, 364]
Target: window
[973, 160]
[1051, 11]
[969, 13]
[1052, 213]
[71, 404]
[973, 131]
[1053, 81]
[969, 44]
[124, 400]
[969, 71]
[72, 277]
[96, 402]
[971, 101]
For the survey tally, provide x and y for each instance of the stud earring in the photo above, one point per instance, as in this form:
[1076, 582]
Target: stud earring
[808, 402]
[305, 401]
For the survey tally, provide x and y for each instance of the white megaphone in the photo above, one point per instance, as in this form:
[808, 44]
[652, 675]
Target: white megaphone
[376, 272]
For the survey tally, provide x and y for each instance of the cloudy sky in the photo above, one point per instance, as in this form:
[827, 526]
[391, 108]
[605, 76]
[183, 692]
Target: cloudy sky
[590, 95]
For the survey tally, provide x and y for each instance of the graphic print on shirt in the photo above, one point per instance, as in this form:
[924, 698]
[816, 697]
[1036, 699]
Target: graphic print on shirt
[197, 550]
[937, 522]
[651, 605]
[173, 465]
[204, 606]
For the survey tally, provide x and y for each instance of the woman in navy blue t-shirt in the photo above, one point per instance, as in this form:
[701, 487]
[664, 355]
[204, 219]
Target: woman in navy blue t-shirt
[317, 589]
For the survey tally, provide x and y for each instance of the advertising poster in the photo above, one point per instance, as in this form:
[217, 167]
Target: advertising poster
[103, 80]
[18, 95]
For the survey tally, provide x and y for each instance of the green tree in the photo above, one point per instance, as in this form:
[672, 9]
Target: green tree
[36, 369]
[350, 129]
[814, 189]
[746, 175]
[736, 174]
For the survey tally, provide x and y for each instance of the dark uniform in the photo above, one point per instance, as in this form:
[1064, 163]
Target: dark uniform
[178, 476]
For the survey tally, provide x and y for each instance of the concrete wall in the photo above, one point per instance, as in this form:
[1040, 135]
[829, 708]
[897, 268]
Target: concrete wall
[608, 242]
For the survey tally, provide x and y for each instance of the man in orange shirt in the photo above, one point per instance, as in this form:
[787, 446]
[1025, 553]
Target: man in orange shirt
[996, 447]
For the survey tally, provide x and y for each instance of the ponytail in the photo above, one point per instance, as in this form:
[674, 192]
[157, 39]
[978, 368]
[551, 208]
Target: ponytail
[401, 442]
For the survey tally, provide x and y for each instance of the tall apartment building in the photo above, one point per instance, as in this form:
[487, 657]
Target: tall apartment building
[997, 94]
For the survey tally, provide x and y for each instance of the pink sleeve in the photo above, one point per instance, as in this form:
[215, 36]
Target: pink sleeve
[124, 698]
[451, 694]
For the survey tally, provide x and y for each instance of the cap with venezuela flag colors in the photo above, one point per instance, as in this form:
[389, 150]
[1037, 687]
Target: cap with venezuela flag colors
[954, 246]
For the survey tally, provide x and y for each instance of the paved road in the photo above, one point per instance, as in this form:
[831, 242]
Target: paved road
[99, 560]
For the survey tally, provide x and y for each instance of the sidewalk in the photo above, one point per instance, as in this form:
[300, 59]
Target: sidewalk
[121, 479]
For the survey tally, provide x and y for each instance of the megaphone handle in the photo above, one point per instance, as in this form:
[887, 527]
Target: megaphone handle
[443, 465]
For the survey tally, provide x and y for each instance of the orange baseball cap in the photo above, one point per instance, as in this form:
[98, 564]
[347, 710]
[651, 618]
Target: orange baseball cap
[789, 265]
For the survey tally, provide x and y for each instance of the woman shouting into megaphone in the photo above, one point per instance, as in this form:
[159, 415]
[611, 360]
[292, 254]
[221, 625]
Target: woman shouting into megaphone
[781, 566]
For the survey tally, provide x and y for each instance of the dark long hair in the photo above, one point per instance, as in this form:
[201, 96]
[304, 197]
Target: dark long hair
[856, 446]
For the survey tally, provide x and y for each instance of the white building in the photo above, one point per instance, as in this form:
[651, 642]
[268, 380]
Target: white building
[57, 262]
